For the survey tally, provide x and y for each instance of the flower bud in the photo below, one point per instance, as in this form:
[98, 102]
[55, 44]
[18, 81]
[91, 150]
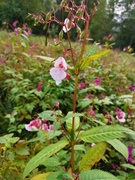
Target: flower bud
[61, 35]
[63, 2]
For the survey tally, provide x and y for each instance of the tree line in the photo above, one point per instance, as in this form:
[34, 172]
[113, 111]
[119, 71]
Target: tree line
[113, 21]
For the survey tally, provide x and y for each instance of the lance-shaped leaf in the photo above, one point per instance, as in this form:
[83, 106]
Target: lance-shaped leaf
[41, 176]
[105, 133]
[92, 50]
[93, 156]
[120, 147]
[85, 62]
[43, 155]
[96, 175]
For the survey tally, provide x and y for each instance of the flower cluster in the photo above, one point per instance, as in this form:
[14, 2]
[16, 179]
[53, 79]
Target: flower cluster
[128, 49]
[120, 115]
[58, 71]
[38, 124]
[109, 37]
[25, 30]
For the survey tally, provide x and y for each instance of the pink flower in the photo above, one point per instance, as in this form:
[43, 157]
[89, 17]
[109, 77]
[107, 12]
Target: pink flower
[34, 125]
[67, 26]
[98, 81]
[15, 23]
[58, 71]
[39, 86]
[57, 104]
[120, 115]
[29, 31]
[24, 27]
[38, 124]
[82, 85]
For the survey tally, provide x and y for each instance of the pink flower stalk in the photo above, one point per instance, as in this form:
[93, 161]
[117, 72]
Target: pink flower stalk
[15, 23]
[16, 31]
[39, 86]
[130, 159]
[67, 25]
[98, 81]
[24, 27]
[120, 115]
[34, 125]
[91, 112]
[58, 71]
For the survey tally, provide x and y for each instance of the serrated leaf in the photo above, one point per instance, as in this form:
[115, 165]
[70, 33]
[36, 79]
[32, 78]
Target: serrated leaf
[92, 50]
[120, 147]
[105, 133]
[93, 156]
[40, 176]
[83, 63]
[96, 175]
[43, 155]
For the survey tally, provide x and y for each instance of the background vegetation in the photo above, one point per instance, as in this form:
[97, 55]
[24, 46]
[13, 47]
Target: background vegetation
[107, 20]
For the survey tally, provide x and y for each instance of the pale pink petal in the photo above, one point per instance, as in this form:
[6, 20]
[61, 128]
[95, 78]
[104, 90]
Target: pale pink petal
[34, 125]
[30, 128]
[61, 63]
[66, 24]
[57, 74]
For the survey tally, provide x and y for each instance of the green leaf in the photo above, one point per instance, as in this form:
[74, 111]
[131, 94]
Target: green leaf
[47, 115]
[105, 133]
[40, 176]
[79, 147]
[92, 50]
[49, 59]
[119, 146]
[130, 166]
[43, 155]
[96, 175]
[69, 119]
[93, 156]
[5, 138]
[83, 63]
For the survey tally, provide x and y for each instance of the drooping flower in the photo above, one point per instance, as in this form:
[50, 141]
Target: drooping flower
[58, 71]
[34, 125]
[98, 81]
[38, 124]
[68, 25]
[120, 115]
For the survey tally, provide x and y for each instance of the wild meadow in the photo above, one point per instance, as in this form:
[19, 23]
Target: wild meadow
[67, 109]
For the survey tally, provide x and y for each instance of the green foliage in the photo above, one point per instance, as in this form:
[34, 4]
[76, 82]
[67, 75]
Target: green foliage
[36, 114]
[105, 133]
[97, 175]
[120, 147]
[92, 156]
[43, 155]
